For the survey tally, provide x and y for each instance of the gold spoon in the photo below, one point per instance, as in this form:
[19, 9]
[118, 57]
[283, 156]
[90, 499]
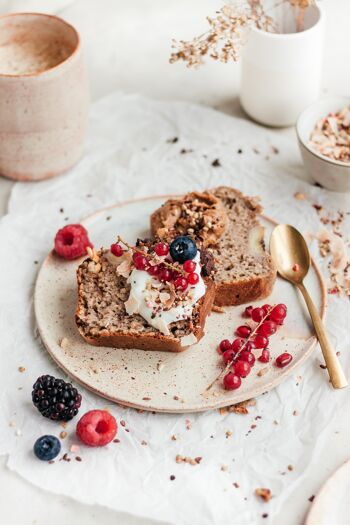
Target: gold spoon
[291, 256]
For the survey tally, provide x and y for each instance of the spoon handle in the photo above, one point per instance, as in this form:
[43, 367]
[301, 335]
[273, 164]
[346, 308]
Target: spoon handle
[335, 371]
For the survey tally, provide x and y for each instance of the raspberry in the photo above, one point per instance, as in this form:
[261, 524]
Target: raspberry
[96, 428]
[71, 241]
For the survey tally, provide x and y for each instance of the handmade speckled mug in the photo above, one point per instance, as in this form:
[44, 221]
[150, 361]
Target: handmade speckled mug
[43, 96]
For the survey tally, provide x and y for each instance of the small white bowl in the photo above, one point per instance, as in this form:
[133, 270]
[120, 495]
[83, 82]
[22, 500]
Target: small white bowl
[331, 174]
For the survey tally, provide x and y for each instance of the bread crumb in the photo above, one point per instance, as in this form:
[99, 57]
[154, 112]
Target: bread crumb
[228, 434]
[262, 372]
[187, 459]
[188, 424]
[63, 434]
[217, 309]
[290, 468]
[264, 494]
[21, 369]
[64, 343]
[299, 196]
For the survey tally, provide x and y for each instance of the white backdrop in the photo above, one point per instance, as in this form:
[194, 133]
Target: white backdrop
[127, 46]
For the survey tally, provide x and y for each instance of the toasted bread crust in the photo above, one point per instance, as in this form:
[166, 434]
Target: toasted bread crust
[156, 341]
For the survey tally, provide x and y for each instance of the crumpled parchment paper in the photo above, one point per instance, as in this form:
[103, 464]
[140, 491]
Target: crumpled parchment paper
[139, 147]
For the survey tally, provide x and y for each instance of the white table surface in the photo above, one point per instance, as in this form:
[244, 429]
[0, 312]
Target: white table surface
[127, 46]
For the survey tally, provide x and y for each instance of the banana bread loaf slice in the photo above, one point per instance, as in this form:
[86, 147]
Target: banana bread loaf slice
[102, 319]
[244, 270]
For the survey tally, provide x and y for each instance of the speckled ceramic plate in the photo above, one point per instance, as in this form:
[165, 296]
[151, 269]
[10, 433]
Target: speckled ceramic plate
[161, 381]
[332, 505]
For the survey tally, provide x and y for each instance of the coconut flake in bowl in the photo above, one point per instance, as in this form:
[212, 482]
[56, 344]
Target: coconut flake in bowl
[331, 136]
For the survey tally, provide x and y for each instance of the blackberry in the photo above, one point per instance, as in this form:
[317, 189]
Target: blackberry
[55, 399]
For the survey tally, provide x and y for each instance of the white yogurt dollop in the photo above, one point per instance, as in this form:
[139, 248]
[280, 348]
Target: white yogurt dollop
[138, 303]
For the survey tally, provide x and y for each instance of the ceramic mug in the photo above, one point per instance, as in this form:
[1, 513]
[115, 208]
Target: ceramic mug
[43, 96]
[281, 72]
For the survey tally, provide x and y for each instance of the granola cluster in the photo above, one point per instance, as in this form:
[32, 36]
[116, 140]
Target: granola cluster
[200, 215]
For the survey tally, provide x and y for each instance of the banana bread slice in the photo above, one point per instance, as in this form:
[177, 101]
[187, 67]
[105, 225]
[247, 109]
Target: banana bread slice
[102, 319]
[244, 269]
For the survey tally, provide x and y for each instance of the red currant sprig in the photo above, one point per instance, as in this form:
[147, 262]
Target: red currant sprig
[238, 355]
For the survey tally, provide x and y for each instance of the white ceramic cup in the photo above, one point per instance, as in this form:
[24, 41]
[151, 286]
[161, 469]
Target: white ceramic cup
[281, 72]
[43, 96]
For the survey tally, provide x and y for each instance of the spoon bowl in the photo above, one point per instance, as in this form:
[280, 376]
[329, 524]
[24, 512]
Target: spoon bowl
[290, 253]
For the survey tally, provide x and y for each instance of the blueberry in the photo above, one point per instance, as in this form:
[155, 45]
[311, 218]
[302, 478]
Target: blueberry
[182, 249]
[47, 447]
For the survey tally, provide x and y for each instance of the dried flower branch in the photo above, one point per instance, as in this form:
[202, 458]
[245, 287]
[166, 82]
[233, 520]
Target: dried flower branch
[227, 31]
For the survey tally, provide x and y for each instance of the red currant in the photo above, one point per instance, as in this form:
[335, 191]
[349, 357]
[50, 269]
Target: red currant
[140, 262]
[165, 275]
[248, 311]
[189, 266]
[181, 283]
[247, 356]
[260, 341]
[243, 331]
[193, 278]
[161, 249]
[266, 308]
[257, 314]
[232, 381]
[117, 250]
[267, 328]
[237, 344]
[228, 355]
[283, 360]
[279, 313]
[265, 356]
[242, 368]
[225, 345]
[248, 346]
[153, 270]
